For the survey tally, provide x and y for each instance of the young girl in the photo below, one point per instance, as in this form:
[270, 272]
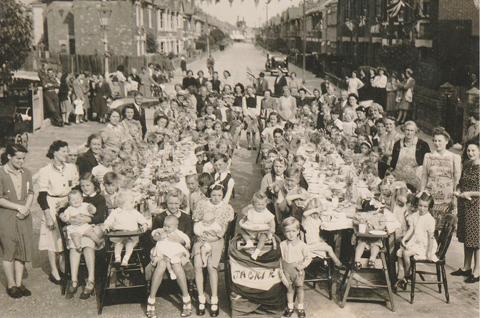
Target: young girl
[249, 104]
[206, 230]
[258, 224]
[125, 218]
[295, 258]
[172, 245]
[311, 223]
[224, 215]
[419, 241]
[78, 110]
[107, 157]
[348, 124]
[376, 217]
[222, 176]
[76, 208]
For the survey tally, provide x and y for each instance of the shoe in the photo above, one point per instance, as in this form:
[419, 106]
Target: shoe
[460, 272]
[472, 279]
[254, 148]
[249, 148]
[201, 309]
[71, 291]
[87, 291]
[25, 292]
[214, 310]
[14, 292]
[151, 311]
[287, 313]
[301, 313]
[371, 263]
[54, 280]
[186, 309]
[357, 266]
[402, 283]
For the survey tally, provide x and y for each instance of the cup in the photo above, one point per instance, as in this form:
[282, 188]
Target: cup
[362, 228]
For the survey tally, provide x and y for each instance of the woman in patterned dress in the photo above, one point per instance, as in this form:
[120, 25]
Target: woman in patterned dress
[132, 127]
[468, 229]
[441, 173]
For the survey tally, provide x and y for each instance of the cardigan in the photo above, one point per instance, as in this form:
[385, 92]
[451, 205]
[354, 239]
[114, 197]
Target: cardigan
[420, 150]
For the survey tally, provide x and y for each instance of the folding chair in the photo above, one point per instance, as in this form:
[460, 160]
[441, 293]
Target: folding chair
[444, 240]
[126, 278]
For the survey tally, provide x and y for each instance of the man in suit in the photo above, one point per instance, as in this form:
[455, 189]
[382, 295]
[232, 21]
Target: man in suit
[261, 85]
[201, 100]
[139, 113]
[280, 83]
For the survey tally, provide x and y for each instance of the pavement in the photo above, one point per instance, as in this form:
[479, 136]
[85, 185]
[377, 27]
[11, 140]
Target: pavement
[46, 300]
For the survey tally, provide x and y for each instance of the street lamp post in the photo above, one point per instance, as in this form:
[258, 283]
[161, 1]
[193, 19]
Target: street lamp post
[304, 40]
[104, 13]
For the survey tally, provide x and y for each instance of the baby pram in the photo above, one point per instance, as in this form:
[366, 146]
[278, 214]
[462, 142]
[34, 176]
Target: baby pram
[254, 287]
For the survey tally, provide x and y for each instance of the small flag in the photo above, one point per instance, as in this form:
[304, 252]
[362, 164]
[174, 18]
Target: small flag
[394, 7]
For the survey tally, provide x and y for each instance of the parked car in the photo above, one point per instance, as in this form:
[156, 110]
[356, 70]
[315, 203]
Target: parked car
[276, 64]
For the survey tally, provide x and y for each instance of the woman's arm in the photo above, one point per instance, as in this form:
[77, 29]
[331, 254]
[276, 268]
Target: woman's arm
[424, 179]
[4, 203]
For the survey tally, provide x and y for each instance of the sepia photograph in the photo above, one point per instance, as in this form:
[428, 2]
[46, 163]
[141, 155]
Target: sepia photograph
[239, 158]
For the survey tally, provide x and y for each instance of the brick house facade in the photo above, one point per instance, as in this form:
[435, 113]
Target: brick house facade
[73, 27]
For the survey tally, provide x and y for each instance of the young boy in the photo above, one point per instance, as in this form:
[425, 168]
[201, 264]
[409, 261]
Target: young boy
[295, 258]
[194, 195]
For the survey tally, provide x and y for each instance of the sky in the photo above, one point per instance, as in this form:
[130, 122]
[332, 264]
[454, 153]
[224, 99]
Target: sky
[254, 16]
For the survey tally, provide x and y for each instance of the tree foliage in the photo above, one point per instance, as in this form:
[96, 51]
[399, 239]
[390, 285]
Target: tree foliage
[152, 44]
[15, 34]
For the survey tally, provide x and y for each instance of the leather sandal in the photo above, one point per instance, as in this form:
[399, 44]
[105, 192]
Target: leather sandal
[72, 290]
[214, 310]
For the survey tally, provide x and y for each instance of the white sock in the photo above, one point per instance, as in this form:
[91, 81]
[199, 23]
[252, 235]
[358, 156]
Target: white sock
[214, 300]
[300, 306]
[202, 299]
[186, 299]
[151, 300]
[290, 306]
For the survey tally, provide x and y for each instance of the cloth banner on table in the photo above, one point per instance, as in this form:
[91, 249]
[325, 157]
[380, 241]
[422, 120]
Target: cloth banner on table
[255, 285]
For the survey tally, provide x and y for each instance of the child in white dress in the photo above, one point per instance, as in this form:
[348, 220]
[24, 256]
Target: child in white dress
[206, 231]
[172, 245]
[258, 224]
[311, 222]
[125, 218]
[419, 241]
[76, 208]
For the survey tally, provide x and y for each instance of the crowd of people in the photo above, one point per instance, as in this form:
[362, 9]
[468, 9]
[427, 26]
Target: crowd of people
[390, 176]
[76, 98]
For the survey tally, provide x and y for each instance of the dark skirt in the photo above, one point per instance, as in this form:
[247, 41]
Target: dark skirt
[16, 236]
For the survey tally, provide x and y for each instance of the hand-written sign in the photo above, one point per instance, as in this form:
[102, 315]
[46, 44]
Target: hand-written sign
[254, 277]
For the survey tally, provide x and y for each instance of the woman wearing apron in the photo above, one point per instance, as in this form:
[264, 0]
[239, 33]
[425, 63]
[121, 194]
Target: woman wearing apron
[16, 197]
[55, 181]
[407, 156]
[441, 173]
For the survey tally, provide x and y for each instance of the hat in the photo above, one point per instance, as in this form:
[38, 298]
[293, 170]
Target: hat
[366, 144]
[409, 70]
[360, 109]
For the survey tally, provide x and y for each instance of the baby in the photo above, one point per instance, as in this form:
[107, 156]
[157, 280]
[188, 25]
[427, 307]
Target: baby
[259, 224]
[172, 245]
[207, 230]
[125, 218]
[79, 208]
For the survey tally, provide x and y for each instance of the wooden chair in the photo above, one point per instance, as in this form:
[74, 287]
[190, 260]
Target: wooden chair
[444, 240]
[346, 284]
[67, 279]
[321, 269]
[122, 279]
